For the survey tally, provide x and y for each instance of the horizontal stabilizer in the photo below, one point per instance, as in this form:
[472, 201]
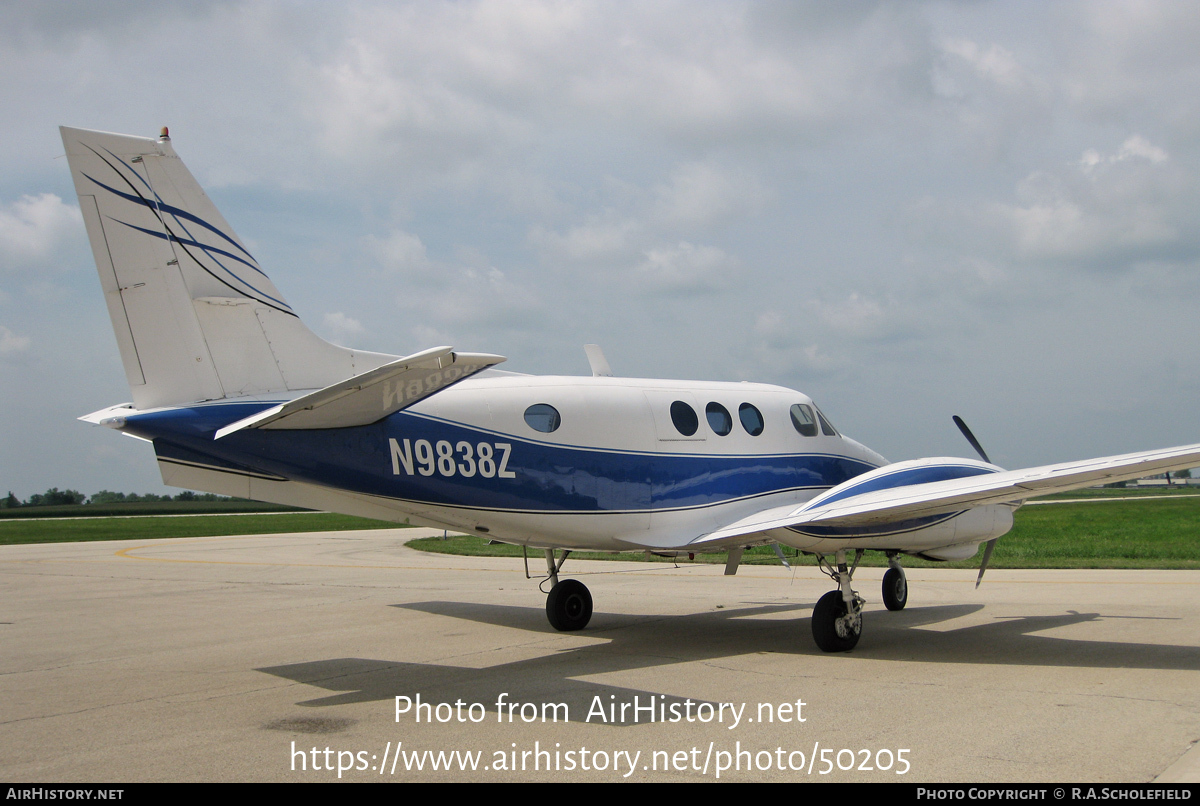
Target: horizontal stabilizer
[920, 500]
[368, 398]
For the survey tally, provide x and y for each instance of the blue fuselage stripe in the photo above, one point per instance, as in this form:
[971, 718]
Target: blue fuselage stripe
[444, 463]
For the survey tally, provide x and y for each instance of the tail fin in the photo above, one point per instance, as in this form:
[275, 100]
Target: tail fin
[194, 315]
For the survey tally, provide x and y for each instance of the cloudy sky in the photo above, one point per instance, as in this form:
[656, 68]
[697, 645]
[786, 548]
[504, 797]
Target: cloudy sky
[907, 211]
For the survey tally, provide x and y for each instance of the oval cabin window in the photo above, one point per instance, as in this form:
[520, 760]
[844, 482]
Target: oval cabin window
[751, 419]
[684, 418]
[718, 419]
[542, 417]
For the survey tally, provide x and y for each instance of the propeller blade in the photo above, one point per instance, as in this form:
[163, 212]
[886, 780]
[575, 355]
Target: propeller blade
[966, 432]
[987, 555]
[779, 554]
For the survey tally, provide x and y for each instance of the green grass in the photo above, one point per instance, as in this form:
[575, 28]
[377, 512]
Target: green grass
[1162, 533]
[152, 528]
[142, 508]
[1122, 492]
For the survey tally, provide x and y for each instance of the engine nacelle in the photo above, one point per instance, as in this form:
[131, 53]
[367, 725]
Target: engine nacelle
[943, 536]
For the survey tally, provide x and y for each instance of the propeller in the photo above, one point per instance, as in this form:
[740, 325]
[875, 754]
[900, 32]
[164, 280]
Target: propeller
[987, 555]
[991, 544]
[966, 432]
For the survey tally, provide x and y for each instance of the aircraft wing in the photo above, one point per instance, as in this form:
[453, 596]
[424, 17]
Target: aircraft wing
[918, 500]
[373, 395]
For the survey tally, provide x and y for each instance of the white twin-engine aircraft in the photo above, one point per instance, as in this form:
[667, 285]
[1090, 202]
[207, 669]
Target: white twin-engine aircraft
[240, 398]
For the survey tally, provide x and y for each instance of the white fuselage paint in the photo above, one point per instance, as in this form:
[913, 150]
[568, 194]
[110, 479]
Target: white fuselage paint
[618, 417]
[632, 416]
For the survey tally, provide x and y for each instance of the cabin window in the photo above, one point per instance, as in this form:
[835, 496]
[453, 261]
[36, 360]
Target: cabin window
[684, 417]
[803, 420]
[542, 417]
[751, 419]
[718, 419]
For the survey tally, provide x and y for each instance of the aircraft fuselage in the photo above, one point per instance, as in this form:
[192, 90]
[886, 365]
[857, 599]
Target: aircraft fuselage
[615, 471]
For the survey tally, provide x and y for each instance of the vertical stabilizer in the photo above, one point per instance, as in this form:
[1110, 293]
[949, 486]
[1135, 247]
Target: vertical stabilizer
[195, 316]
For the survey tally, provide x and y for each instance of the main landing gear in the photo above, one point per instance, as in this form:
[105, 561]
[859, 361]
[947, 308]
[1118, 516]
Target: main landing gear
[895, 585]
[837, 618]
[569, 604]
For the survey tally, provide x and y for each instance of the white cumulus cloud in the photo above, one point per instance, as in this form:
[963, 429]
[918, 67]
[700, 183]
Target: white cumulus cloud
[32, 227]
[704, 194]
[596, 239]
[340, 326]
[12, 343]
[398, 251]
[1106, 209]
[1136, 147]
[686, 268]
[993, 63]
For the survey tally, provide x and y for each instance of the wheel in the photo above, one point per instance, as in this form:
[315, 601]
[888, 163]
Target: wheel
[569, 605]
[895, 589]
[832, 628]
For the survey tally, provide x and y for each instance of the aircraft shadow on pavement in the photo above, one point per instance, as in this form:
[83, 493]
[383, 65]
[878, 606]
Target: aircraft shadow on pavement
[886, 635]
[632, 643]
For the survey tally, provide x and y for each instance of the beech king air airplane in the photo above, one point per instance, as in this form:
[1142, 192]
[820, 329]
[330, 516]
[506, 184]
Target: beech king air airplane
[240, 398]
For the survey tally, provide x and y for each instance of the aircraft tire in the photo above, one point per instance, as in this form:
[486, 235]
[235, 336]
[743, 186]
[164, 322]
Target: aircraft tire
[895, 589]
[569, 606]
[829, 609]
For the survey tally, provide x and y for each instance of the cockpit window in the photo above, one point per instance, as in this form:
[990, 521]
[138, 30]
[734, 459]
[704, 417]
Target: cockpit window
[718, 419]
[803, 419]
[826, 427]
[684, 418]
[751, 419]
[542, 417]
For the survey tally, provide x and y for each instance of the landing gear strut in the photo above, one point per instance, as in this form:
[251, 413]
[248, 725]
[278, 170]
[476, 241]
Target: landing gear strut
[837, 618]
[569, 604]
[895, 585]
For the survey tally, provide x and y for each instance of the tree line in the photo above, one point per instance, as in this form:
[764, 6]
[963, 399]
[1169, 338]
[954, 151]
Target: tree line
[57, 497]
